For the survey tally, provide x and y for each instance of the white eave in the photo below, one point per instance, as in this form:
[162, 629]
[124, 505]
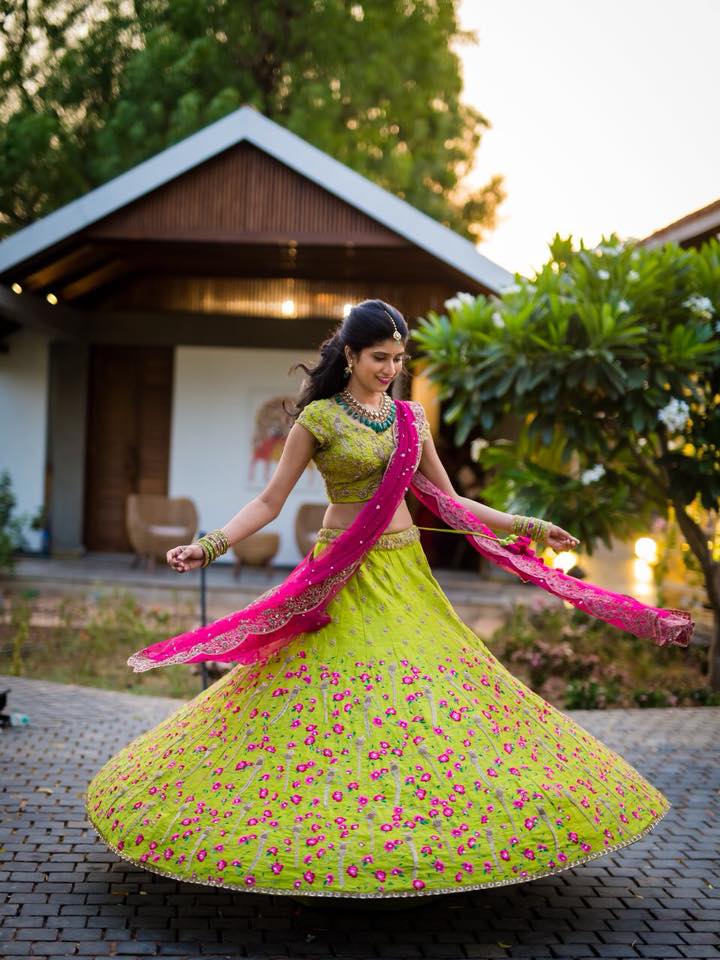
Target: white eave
[687, 228]
[248, 124]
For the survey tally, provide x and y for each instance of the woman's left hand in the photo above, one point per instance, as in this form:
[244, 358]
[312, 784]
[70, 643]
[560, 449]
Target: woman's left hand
[560, 539]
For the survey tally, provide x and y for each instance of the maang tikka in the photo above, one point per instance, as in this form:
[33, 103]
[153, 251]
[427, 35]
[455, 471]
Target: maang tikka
[396, 335]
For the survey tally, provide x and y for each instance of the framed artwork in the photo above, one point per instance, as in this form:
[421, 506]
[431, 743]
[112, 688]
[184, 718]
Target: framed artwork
[268, 429]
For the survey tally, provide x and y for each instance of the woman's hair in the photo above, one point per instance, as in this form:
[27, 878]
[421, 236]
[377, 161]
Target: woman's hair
[366, 323]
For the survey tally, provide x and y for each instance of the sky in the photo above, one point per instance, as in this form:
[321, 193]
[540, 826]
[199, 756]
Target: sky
[605, 116]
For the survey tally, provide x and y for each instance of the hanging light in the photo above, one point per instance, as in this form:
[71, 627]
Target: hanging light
[16, 288]
[565, 561]
[646, 549]
[51, 298]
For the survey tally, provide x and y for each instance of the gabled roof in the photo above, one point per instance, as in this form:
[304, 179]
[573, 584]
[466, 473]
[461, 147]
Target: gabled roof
[692, 228]
[247, 124]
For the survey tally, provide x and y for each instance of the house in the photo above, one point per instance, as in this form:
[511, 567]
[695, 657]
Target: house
[692, 230]
[147, 328]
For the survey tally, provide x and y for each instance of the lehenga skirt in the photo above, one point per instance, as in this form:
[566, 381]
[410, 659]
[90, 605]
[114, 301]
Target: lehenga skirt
[388, 754]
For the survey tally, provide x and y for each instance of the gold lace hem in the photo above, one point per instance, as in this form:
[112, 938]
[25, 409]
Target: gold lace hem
[466, 888]
[386, 541]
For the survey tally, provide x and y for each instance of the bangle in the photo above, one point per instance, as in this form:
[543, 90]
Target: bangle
[532, 527]
[213, 545]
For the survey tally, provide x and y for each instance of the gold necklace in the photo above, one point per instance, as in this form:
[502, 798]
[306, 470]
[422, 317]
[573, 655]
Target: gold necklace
[358, 412]
[379, 414]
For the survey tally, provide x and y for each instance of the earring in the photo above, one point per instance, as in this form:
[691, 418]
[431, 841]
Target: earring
[348, 368]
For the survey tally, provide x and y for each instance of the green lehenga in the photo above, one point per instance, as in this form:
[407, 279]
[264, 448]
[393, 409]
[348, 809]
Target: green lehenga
[388, 754]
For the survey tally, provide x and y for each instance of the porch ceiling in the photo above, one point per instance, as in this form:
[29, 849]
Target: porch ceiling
[233, 220]
[95, 271]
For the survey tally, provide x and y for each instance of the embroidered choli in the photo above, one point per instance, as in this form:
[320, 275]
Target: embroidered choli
[351, 456]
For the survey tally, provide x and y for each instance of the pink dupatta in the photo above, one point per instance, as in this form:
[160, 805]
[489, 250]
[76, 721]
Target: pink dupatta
[298, 604]
[660, 624]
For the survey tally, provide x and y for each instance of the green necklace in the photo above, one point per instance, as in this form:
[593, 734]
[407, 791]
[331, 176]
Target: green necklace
[357, 413]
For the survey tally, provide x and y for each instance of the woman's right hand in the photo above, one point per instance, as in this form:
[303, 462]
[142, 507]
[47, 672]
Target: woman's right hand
[187, 557]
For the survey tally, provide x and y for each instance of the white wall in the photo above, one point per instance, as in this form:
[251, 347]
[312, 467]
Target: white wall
[215, 393]
[23, 421]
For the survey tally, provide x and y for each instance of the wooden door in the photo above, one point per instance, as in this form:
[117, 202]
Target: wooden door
[128, 431]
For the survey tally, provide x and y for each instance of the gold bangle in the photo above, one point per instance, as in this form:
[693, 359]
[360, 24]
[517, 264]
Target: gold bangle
[535, 528]
[213, 545]
[207, 553]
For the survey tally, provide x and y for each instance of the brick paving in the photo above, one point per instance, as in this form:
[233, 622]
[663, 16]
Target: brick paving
[63, 894]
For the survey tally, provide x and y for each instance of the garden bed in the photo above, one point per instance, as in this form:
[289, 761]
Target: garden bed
[576, 661]
[88, 641]
[572, 660]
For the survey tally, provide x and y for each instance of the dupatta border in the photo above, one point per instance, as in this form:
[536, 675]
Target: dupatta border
[662, 625]
[310, 600]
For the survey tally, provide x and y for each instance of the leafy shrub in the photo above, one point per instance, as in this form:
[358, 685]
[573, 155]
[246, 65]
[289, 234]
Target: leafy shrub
[580, 662]
[654, 698]
[11, 528]
[590, 695]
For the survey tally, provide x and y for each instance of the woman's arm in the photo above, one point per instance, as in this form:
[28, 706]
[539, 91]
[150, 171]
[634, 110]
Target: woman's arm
[431, 466]
[297, 453]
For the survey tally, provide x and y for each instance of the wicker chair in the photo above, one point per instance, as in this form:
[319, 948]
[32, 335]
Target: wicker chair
[156, 523]
[308, 521]
[256, 550]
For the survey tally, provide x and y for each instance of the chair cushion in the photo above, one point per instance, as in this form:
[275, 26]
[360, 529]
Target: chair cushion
[166, 530]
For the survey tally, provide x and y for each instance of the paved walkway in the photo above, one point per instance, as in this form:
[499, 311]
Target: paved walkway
[62, 893]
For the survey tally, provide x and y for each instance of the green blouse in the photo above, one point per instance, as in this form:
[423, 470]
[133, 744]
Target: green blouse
[350, 456]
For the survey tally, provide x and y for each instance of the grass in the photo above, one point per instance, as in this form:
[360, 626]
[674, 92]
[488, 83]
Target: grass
[92, 642]
[571, 659]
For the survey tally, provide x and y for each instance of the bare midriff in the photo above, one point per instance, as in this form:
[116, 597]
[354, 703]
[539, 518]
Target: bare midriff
[341, 516]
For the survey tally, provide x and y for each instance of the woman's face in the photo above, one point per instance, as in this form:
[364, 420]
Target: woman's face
[377, 366]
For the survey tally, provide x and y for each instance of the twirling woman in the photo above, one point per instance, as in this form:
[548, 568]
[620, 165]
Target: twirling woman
[367, 743]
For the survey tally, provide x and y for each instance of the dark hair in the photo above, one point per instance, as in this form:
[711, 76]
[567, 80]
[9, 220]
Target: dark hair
[365, 324]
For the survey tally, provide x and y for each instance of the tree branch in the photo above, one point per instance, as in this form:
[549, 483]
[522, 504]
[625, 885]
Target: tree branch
[646, 466]
[697, 541]
[648, 471]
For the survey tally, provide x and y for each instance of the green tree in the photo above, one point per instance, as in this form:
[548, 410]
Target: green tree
[89, 88]
[608, 364]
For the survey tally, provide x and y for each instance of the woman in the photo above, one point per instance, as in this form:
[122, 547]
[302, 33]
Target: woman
[367, 743]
